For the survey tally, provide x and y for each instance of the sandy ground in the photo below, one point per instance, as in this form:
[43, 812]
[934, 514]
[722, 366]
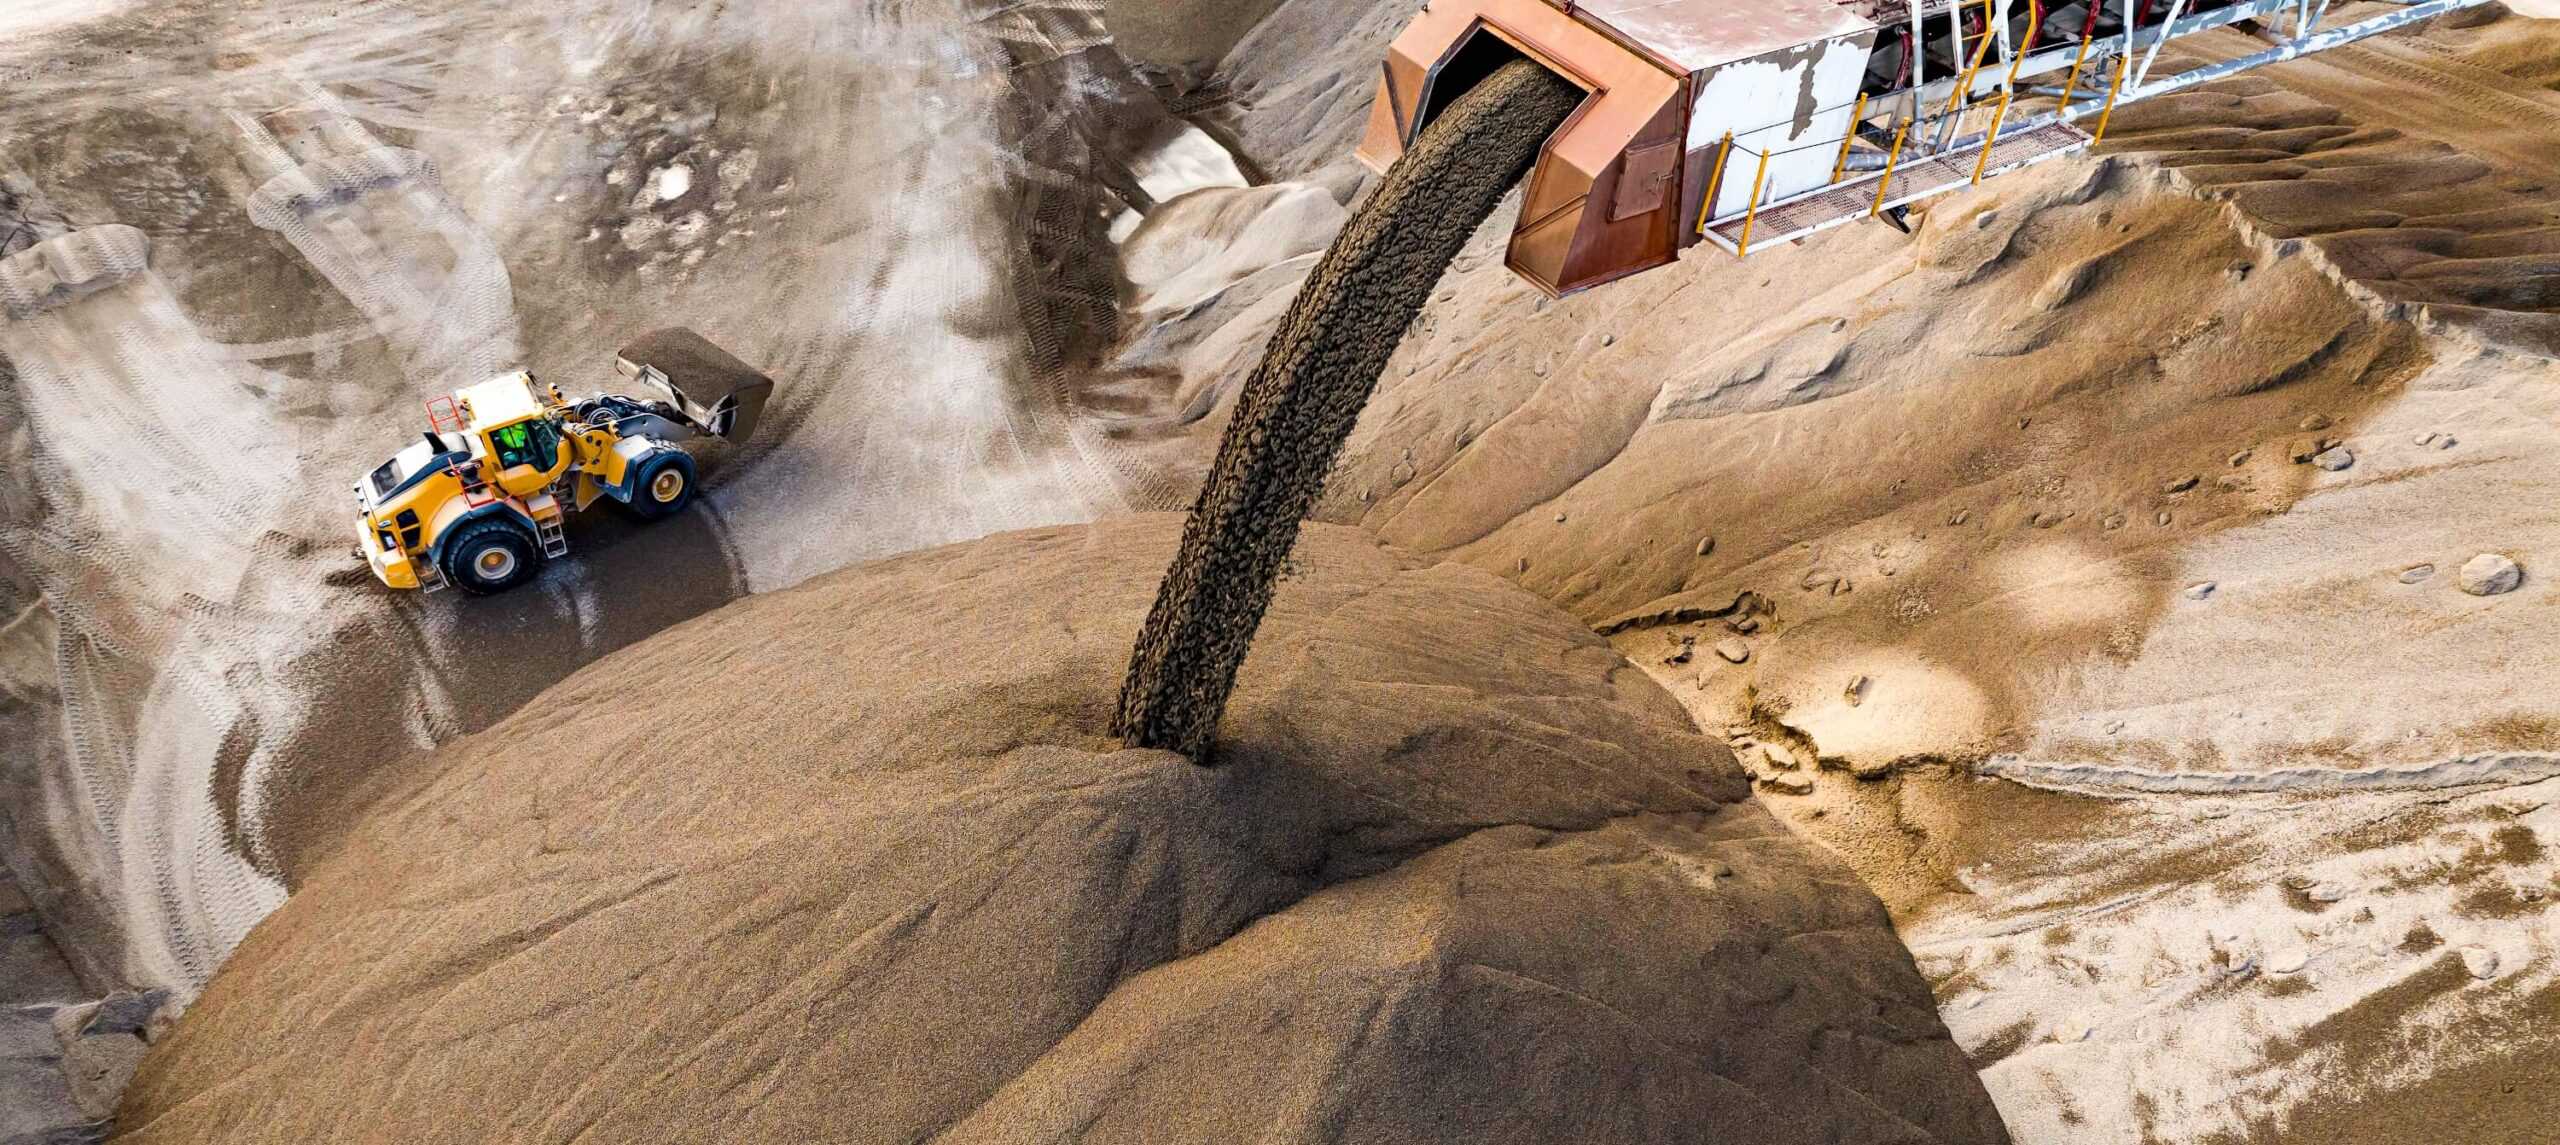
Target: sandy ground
[29, 17]
[349, 212]
[2214, 805]
[1178, 32]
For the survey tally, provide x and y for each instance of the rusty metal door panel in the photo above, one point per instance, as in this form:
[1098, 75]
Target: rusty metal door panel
[1645, 185]
[1611, 248]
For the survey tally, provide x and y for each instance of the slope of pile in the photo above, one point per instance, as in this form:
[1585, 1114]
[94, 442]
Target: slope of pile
[856, 859]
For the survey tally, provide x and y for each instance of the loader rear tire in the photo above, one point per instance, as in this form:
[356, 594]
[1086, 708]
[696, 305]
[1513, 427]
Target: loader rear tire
[490, 556]
[663, 487]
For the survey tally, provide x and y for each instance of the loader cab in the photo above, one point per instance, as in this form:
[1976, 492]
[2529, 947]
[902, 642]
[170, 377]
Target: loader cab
[519, 437]
[527, 454]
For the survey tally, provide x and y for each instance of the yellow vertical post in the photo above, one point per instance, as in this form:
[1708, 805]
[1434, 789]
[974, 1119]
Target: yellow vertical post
[1842, 165]
[1991, 140]
[2018, 59]
[1715, 183]
[2110, 112]
[1892, 158]
[1964, 85]
[1742, 249]
[2071, 87]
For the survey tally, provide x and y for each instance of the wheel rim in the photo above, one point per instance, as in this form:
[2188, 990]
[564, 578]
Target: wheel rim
[667, 486]
[494, 563]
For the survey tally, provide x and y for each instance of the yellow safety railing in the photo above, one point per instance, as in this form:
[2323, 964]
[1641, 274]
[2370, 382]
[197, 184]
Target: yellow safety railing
[1944, 127]
[2071, 87]
[1964, 86]
[2026, 47]
[1715, 183]
[2113, 90]
[1841, 165]
[1991, 139]
[1890, 161]
[1743, 247]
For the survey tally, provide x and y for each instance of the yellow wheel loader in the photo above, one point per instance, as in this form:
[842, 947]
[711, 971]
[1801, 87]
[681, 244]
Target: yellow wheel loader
[480, 500]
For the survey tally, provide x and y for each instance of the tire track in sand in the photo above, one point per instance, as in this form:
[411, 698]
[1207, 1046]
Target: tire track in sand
[2387, 82]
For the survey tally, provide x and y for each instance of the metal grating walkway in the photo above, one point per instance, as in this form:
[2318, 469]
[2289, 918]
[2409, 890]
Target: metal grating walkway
[1853, 199]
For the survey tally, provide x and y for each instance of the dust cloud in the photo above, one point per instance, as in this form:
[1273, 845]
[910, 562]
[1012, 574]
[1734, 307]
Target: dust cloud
[349, 212]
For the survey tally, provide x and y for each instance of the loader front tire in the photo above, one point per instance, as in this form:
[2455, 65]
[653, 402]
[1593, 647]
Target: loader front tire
[663, 487]
[491, 556]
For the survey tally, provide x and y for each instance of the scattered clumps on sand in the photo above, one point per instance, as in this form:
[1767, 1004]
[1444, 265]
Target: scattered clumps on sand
[2491, 574]
[808, 867]
[674, 182]
[1790, 783]
[2481, 962]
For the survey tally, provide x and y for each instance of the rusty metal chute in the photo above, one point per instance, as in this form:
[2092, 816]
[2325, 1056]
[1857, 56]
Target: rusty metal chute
[1743, 123]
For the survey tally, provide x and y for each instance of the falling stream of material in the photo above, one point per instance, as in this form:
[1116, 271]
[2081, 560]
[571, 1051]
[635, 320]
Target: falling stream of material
[1302, 401]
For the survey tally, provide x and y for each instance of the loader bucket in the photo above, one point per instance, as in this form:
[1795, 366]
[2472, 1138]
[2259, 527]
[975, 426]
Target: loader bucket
[714, 389]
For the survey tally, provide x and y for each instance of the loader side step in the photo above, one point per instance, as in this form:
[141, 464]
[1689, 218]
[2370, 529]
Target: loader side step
[548, 522]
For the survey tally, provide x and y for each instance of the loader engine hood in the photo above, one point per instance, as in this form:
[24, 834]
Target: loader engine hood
[715, 390]
[406, 468]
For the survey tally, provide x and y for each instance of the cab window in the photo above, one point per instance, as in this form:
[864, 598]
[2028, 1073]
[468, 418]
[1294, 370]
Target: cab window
[533, 443]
